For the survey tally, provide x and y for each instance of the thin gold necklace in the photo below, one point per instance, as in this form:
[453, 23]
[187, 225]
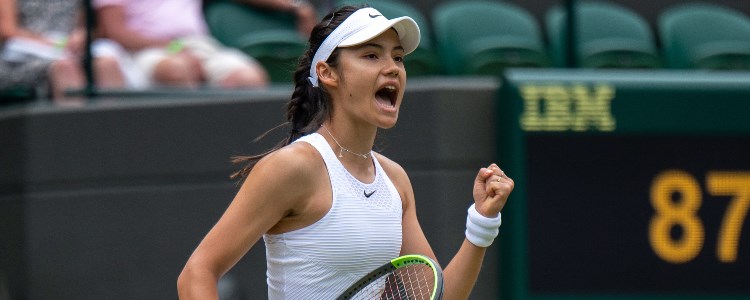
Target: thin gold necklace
[342, 147]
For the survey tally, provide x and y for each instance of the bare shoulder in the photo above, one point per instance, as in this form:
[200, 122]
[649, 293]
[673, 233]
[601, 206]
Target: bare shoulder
[298, 165]
[297, 161]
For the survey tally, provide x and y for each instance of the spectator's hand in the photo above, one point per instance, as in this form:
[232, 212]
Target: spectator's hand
[76, 42]
[307, 17]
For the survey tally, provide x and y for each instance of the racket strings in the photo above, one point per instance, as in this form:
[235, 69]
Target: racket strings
[414, 282]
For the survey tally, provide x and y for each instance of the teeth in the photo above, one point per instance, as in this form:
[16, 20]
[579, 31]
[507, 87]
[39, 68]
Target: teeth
[390, 88]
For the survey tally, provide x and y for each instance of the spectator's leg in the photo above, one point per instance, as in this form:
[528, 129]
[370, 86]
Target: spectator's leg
[64, 74]
[227, 67]
[177, 71]
[108, 72]
[246, 76]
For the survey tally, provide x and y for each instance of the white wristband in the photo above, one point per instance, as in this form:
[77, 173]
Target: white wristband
[481, 230]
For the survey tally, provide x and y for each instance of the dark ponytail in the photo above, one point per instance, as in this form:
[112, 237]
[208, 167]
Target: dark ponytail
[309, 106]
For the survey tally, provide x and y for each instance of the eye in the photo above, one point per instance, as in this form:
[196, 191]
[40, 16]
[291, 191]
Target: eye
[371, 56]
[398, 58]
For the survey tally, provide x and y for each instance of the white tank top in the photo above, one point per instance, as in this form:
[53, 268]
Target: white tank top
[360, 232]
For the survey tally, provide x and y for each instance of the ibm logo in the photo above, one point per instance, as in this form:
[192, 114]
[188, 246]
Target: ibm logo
[567, 107]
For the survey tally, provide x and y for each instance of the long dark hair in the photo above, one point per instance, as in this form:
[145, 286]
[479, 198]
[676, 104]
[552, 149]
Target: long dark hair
[309, 106]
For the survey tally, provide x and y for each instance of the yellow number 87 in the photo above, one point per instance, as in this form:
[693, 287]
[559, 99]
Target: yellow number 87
[676, 197]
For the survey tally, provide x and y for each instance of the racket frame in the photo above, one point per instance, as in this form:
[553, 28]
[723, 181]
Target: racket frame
[397, 263]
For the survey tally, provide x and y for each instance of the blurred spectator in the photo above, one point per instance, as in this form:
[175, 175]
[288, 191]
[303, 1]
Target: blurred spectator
[305, 12]
[42, 43]
[170, 43]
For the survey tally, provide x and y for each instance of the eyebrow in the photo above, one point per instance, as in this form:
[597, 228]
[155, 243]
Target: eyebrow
[399, 47]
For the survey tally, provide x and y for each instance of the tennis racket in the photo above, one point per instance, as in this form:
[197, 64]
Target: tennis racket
[406, 277]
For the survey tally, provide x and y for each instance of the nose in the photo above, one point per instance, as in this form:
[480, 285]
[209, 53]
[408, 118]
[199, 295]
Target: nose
[392, 68]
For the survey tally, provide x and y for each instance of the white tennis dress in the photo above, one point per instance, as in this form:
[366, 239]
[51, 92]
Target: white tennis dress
[361, 232]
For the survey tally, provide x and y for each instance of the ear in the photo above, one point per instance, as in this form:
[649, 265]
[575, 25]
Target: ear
[326, 74]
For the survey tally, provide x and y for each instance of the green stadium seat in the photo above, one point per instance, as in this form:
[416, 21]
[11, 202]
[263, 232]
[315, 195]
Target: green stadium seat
[483, 37]
[608, 36]
[424, 60]
[271, 37]
[705, 36]
[16, 94]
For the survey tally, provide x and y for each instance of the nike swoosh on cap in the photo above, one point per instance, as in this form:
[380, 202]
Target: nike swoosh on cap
[375, 16]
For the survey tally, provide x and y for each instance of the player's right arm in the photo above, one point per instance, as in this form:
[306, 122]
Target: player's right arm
[277, 187]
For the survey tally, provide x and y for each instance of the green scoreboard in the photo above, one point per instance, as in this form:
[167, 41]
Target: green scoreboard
[629, 184]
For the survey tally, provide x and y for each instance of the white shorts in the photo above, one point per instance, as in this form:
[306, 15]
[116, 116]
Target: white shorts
[218, 61]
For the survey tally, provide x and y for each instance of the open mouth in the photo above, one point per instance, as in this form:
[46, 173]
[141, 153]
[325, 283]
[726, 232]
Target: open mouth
[387, 96]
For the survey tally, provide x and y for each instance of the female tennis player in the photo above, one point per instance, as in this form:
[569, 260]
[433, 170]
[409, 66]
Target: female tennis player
[328, 207]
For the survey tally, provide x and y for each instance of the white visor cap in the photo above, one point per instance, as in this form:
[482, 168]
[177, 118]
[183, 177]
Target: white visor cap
[361, 26]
